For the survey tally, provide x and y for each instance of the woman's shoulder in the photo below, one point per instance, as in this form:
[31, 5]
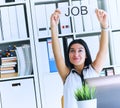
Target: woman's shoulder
[90, 72]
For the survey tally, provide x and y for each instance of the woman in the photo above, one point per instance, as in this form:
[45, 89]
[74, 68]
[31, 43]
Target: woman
[79, 65]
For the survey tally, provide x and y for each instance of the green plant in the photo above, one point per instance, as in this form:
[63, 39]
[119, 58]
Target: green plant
[85, 93]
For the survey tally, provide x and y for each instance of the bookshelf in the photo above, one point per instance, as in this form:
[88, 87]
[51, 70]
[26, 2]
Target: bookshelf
[17, 41]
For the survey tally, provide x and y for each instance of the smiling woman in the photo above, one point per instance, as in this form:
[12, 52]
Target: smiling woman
[79, 64]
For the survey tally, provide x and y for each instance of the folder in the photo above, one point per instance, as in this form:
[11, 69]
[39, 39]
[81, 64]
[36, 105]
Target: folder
[22, 27]
[5, 23]
[41, 19]
[50, 8]
[65, 22]
[87, 22]
[78, 20]
[13, 22]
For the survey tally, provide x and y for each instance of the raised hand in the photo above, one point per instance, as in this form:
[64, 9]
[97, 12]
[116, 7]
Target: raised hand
[102, 17]
[55, 18]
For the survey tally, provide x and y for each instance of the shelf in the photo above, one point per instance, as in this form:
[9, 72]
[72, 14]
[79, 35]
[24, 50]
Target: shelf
[12, 3]
[16, 78]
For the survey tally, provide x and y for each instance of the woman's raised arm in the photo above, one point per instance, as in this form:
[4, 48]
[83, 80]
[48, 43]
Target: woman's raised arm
[103, 48]
[60, 62]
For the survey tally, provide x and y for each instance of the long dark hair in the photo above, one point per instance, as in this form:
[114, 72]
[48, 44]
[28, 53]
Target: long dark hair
[88, 60]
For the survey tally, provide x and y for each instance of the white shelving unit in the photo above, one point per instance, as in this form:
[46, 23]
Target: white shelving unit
[16, 30]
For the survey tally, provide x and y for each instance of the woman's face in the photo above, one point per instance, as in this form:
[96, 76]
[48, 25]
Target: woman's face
[77, 54]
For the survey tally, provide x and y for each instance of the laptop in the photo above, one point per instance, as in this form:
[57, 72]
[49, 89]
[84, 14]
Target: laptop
[107, 90]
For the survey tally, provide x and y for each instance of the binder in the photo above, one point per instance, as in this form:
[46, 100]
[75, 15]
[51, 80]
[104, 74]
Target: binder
[61, 46]
[69, 40]
[13, 22]
[42, 55]
[52, 63]
[118, 9]
[116, 49]
[24, 60]
[113, 14]
[65, 23]
[41, 18]
[1, 34]
[22, 65]
[50, 8]
[5, 21]
[95, 23]
[22, 27]
[78, 20]
[28, 59]
[87, 22]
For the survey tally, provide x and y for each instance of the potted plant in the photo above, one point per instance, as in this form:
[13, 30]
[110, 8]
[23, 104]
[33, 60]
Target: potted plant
[85, 97]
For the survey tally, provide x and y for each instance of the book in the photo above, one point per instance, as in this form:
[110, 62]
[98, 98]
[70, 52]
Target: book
[8, 59]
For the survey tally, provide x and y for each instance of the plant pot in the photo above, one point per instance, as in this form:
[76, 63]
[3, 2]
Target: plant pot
[87, 103]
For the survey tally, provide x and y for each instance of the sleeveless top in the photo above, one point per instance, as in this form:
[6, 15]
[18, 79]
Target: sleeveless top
[74, 81]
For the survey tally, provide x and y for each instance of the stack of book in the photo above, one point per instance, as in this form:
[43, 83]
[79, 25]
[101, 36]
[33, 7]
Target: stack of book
[8, 67]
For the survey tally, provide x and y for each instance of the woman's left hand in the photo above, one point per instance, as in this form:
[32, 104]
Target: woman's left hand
[102, 17]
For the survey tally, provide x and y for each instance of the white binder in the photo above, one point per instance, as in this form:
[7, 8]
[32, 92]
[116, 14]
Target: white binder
[65, 24]
[41, 19]
[5, 23]
[95, 23]
[87, 22]
[50, 8]
[115, 21]
[13, 22]
[22, 27]
[78, 19]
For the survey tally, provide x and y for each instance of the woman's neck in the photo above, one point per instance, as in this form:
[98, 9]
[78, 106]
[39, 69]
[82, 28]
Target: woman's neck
[79, 68]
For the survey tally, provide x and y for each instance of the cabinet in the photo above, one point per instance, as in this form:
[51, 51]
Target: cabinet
[11, 96]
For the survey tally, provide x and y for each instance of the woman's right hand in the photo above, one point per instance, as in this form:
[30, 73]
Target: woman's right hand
[55, 18]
